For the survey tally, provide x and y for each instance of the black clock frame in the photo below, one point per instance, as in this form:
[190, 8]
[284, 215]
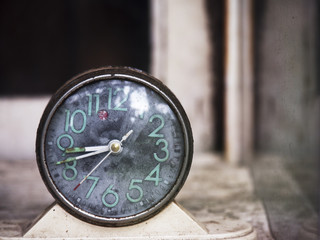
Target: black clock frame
[106, 73]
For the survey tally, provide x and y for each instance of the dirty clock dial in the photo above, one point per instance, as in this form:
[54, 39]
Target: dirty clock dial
[114, 146]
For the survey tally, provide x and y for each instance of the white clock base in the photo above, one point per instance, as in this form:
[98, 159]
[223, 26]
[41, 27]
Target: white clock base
[173, 222]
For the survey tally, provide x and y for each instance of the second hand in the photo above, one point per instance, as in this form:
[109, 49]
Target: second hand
[115, 149]
[92, 170]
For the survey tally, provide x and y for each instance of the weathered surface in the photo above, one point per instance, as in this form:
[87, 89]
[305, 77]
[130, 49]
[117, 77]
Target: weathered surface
[290, 213]
[213, 192]
[216, 190]
[23, 196]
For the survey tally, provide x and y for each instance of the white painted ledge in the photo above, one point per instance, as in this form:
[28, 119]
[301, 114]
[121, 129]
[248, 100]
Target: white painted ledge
[19, 119]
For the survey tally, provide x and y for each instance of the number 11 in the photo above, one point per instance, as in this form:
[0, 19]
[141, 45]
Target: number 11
[90, 96]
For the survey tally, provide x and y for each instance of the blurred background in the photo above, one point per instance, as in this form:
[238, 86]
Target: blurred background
[247, 73]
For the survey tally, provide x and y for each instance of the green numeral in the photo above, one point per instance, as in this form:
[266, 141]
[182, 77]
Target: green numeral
[131, 187]
[164, 149]
[64, 136]
[90, 96]
[71, 168]
[118, 106]
[109, 98]
[155, 179]
[84, 122]
[66, 126]
[110, 191]
[70, 121]
[95, 179]
[155, 132]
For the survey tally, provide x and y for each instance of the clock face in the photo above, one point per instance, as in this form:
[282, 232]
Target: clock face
[114, 146]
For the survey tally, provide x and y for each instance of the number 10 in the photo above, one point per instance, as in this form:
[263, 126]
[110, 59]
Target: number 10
[70, 121]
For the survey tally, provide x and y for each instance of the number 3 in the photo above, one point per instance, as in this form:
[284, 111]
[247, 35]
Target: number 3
[164, 149]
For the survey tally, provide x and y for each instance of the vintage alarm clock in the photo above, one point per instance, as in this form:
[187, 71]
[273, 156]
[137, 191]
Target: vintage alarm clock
[114, 146]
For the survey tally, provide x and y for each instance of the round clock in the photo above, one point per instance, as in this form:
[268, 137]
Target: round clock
[114, 146]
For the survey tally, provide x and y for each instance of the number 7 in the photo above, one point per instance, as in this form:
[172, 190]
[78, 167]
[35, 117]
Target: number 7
[95, 179]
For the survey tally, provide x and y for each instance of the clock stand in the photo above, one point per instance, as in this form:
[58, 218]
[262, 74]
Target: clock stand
[173, 222]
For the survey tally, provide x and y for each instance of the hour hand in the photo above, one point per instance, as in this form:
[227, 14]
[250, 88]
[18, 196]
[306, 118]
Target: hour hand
[93, 151]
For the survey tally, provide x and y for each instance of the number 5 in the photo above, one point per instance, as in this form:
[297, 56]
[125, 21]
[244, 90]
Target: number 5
[132, 186]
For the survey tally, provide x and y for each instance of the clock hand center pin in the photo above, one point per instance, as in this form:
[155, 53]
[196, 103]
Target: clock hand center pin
[115, 147]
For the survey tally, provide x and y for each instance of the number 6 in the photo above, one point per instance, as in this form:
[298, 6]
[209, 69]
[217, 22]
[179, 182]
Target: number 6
[110, 191]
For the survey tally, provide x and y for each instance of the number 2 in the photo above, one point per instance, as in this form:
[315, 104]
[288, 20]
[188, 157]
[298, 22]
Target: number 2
[155, 132]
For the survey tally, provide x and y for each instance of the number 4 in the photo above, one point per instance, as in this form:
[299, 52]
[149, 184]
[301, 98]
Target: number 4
[156, 172]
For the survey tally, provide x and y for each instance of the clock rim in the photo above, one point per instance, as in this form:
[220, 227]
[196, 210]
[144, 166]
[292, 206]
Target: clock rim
[113, 73]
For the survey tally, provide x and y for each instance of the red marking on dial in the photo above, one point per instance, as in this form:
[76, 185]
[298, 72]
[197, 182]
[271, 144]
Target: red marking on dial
[76, 187]
[103, 114]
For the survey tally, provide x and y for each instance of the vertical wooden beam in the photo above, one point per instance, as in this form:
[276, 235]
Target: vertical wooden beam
[239, 81]
[159, 39]
[182, 57]
[248, 80]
